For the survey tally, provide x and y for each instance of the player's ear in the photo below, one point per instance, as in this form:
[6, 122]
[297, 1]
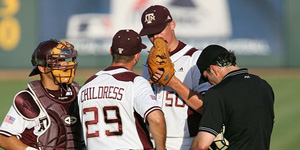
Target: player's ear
[172, 25]
[214, 69]
[42, 69]
[137, 57]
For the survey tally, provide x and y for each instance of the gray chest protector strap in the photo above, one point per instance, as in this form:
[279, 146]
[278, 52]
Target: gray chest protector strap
[63, 129]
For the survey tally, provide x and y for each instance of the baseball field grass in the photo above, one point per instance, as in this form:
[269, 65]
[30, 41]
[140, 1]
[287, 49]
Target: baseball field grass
[285, 83]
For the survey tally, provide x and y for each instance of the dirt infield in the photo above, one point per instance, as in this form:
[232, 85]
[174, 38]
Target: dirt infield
[85, 73]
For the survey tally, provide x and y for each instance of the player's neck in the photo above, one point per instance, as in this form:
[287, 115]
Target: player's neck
[226, 70]
[49, 84]
[127, 66]
[130, 65]
[173, 45]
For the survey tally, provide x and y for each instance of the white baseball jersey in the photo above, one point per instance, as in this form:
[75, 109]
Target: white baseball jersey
[114, 104]
[182, 121]
[14, 124]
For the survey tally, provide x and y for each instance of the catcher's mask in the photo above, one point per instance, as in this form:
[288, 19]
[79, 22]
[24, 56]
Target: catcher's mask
[59, 58]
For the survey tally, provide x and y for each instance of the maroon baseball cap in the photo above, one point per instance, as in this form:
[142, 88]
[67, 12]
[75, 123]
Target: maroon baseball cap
[39, 55]
[127, 42]
[155, 19]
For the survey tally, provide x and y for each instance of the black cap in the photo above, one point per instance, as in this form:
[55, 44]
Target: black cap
[127, 42]
[208, 56]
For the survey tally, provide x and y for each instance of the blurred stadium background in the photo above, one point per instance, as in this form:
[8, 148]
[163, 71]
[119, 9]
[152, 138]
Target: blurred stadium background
[263, 33]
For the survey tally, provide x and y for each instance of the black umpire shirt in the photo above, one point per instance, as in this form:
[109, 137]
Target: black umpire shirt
[244, 104]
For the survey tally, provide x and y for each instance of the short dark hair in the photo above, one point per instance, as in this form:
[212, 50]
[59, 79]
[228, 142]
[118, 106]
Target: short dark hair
[225, 59]
[215, 55]
[122, 58]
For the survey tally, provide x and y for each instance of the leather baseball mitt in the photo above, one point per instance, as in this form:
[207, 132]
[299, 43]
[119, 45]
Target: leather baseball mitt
[159, 59]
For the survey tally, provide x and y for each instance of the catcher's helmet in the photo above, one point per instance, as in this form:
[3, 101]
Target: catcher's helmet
[49, 53]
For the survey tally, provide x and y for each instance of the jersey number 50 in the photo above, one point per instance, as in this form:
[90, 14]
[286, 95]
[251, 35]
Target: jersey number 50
[106, 120]
[171, 97]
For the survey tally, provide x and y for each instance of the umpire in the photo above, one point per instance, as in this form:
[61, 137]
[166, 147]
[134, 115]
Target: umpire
[243, 102]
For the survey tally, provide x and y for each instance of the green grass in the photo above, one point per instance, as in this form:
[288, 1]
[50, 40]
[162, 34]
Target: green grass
[286, 131]
[7, 91]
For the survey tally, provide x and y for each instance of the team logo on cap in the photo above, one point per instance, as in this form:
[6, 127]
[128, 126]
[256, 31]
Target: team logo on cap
[169, 18]
[120, 50]
[149, 18]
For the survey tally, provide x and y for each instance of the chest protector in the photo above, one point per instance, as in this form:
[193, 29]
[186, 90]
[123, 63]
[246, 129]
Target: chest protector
[63, 128]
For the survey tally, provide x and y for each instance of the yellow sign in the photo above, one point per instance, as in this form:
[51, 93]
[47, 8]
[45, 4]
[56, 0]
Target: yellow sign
[10, 30]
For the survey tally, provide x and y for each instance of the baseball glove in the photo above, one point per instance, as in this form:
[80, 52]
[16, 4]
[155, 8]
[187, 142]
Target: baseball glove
[159, 59]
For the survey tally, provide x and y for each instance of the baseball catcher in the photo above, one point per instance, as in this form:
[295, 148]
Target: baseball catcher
[45, 115]
[159, 59]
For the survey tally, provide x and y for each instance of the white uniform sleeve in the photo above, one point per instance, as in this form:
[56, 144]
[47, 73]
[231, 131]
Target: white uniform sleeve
[14, 124]
[144, 98]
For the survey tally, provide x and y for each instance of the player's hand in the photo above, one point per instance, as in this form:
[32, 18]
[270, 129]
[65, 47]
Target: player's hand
[158, 74]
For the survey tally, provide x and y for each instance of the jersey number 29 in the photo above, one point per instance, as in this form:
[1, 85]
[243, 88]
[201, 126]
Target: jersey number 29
[106, 120]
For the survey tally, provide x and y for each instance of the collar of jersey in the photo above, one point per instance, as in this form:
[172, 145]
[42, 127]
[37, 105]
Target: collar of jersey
[236, 72]
[113, 70]
[180, 53]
